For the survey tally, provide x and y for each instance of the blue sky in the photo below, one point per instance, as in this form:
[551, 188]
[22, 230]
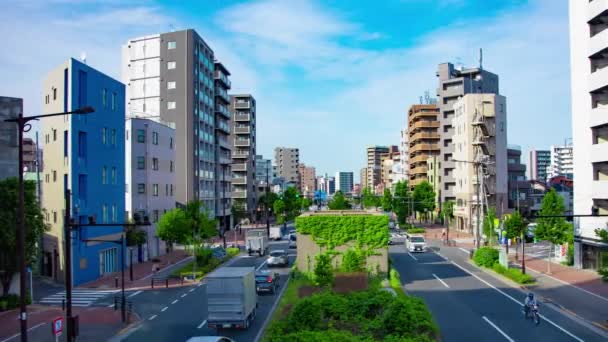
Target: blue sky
[330, 77]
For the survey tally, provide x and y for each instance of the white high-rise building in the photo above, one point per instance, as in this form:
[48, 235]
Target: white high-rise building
[404, 145]
[589, 77]
[561, 162]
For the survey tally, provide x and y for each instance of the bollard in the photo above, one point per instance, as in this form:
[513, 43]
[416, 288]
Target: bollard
[152, 282]
[115, 303]
[116, 282]
[167, 282]
[63, 304]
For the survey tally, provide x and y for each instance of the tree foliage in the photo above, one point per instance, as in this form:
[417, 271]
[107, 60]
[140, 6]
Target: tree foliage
[424, 197]
[552, 229]
[489, 225]
[387, 201]
[339, 202]
[447, 211]
[514, 225]
[135, 236]
[279, 211]
[173, 227]
[238, 210]
[369, 199]
[401, 201]
[34, 225]
[367, 231]
[305, 203]
[323, 271]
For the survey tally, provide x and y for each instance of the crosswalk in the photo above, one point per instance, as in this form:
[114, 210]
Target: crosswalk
[79, 297]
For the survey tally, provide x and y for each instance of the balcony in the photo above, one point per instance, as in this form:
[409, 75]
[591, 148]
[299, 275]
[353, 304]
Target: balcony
[424, 147]
[224, 143]
[220, 76]
[240, 154]
[242, 104]
[419, 136]
[453, 89]
[242, 142]
[424, 114]
[223, 159]
[425, 124]
[420, 170]
[420, 158]
[222, 94]
[596, 12]
[242, 117]
[239, 194]
[242, 130]
[223, 127]
[239, 180]
[222, 109]
[239, 167]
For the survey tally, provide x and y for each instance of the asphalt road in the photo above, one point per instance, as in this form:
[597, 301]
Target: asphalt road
[471, 305]
[180, 313]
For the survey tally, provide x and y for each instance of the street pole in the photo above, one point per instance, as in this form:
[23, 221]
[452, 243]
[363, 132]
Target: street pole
[267, 204]
[131, 263]
[478, 206]
[523, 253]
[67, 241]
[122, 271]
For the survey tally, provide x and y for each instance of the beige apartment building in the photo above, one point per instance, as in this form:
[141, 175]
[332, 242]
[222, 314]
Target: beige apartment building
[307, 180]
[423, 130]
[286, 162]
[480, 135]
[390, 167]
[374, 165]
[244, 186]
[363, 178]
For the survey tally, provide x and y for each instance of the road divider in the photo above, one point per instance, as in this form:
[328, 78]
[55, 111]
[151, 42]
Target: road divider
[498, 329]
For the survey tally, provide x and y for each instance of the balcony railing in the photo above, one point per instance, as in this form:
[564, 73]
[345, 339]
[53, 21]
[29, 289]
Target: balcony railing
[239, 180]
[242, 130]
[425, 124]
[223, 78]
[240, 154]
[239, 194]
[239, 167]
[242, 117]
[242, 104]
[220, 108]
[242, 142]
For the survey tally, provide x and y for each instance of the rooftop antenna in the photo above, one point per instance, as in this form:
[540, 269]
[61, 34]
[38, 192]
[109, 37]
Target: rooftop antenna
[427, 98]
[171, 28]
[420, 99]
[480, 59]
[83, 57]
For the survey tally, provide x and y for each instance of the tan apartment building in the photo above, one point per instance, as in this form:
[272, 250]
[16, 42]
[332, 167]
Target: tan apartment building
[307, 180]
[390, 167]
[374, 165]
[287, 162]
[480, 135]
[244, 186]
[423, 130]
[363, 178]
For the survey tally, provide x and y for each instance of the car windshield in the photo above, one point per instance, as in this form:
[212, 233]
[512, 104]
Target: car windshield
[417, 239]
[261, 279]
[276, 254]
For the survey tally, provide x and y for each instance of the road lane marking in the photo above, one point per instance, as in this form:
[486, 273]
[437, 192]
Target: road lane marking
[110, 306]
[443, 282]
[413, 257]
[199, 284]
[441, 255]
[184, 295]
[202, 324]
[262, 265]
[133, 294]
[498, 329]
[164, 309]
[19, 334]
[518, 302]
[191, 290]
[175, 301]
[152, 317]
[464, 250]
[272, 310]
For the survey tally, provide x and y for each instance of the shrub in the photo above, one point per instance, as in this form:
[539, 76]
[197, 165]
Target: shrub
[352, 261]
[486, 257]
[416, 230]
[233, 251]
[11, 301]
[513, 273]
[323, 271]
[203, 256]
[394, 279]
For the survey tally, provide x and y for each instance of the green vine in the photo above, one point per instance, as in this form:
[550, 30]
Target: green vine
[366, 231]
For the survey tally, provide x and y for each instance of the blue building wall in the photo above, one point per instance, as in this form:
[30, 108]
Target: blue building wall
[97, 143]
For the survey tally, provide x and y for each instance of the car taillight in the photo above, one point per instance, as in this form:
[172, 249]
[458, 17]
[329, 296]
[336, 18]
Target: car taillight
[269, 279]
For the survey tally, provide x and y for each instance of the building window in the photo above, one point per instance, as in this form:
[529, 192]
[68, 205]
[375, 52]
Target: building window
[54, 94]
[155, 164]
[104, 213]
[155, 138]
[141, 188]
[141, 136]
[113, 102]
[104, 135]
[104, 94]
[54, 176]
[155, 190]
[113, 137]
[166, 189]
[171, 85]
[114, 213]
[155, 216]
[54, 217]
[54, 135]
[171, 45]
[171, 190]
[171, 143]
[141, 163]
[171, 166]
[104, 175]
[113, 175]
[171, 105]
[170, 65]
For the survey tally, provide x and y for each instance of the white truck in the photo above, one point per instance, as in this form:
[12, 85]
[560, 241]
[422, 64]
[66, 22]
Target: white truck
[276, 232]
[231, 297]
[256, 241]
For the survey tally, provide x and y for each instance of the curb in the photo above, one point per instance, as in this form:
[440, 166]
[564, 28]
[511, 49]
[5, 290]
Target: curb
[272, 310]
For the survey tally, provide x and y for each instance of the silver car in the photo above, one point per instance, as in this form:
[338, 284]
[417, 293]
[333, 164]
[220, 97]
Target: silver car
[278, 258]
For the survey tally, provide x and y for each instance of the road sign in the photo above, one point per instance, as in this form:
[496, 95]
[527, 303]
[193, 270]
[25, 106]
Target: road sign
[58, 326]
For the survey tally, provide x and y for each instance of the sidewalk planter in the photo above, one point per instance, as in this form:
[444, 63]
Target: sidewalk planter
[487, 257]
[513, 274]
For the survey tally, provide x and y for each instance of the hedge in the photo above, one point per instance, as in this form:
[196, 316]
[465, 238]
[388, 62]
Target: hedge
[513, 274]
[367, 231]
[416, 230]
[11, 301]
[486, 257]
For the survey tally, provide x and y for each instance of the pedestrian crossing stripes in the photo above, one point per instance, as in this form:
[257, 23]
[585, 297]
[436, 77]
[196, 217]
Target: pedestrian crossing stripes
[79, 297]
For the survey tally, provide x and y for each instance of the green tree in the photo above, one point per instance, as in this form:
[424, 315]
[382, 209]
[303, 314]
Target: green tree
[369, 199]
[387, 201]
[305, 203]
[34, 227]
[489, 226]
[173, 227]
[135, 236]
[424, 198]
[552, 229]
[339, 202]
[201, 223]
[280, 211]
[515, 227]
[291, 198]
[603, 235]
[447, 212]
[238, 210]
[401, 201]
[323, 271]
[267, 200]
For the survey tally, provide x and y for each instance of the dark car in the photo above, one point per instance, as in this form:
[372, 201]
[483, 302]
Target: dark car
[266, 281]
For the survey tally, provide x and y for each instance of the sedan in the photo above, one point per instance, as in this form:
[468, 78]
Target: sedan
[266, 281]
[278, 258]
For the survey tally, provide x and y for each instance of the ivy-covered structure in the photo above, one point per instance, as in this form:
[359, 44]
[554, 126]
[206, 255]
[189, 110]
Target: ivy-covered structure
[341, 233]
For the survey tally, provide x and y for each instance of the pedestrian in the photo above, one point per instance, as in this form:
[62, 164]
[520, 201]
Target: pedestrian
[443, 233]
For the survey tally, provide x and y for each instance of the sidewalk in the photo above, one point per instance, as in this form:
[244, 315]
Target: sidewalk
[141, 272]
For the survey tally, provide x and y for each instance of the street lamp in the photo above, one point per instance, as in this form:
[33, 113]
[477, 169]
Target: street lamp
[23, 127]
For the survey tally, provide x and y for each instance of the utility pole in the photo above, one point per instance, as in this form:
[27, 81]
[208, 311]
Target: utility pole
[478, 205]
[67, 241]
[267, 206]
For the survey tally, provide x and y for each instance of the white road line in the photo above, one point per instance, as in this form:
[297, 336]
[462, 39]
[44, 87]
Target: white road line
[175, 301]
[566, 283]
[498, 329]
[184, 295]
[441, 255]
[518, 302]
[134, 294]
[261, 265]
[191, 290]
[272, 310]
[464, 250]
[413, 257]
[152, 317]
[443, 282]
[164, 309]
[199, 285]
[202, 324]
[111, 306]
[19, 334]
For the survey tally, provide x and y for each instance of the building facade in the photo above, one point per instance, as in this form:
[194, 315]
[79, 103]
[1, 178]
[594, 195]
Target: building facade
[518, 186]
[287, 163]
[423, 126]
[344, 182]
[363, 178]
[244, 187]
[10, 107]
[84, 154]
[307, 180]
[433, 167]
[374, 165]
[150, 178]
[561, 162]
[223, 146]
[480, 126]
[455, 82]
[589, 89]
[404, 153]
[170, 78]
[539, 162]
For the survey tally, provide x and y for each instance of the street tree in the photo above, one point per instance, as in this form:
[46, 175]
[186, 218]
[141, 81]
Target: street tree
[552, 229]
[339, 202]
[368, 198]
[387, 201]
[489, 226]
[401, 201]
[201, 222]
[305, 203]
[280, 211]
[291, 198]
[237, 210]
[173, 227]
[267, 200]
[34, 225]
[447, 212]
[424, 198]
[515, 227]
[603, 235]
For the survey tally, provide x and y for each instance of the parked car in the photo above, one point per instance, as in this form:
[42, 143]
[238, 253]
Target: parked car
[278, 258]
[416, 243]
[266, 281]
[292, 241]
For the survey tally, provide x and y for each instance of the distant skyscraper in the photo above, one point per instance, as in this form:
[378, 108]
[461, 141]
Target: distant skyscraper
[539, 162]
[561, 162]
[344, 182]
